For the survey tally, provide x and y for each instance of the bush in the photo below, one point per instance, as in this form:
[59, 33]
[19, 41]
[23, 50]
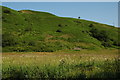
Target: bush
[58, 31]
[91, 25]
[102, 36]
[99, 34]
[28, 29]
[6, 11]
[59, 25]
[25, 19]
[49, 46]
[8, 40]
[66, 25]
[16, 24]
[19, 49]
[3, 17]
[31, 43]
[107, 44]
[77, 21]
[116, 43]
[83, 31]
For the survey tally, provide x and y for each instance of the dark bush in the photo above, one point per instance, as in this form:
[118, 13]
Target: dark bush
[59, 25]
[83, 31]
[91, 25]
[25, 19]
[28, 29]
[58, 31]
[4, 20]
[77, 21]
[66, 25]
[102, 36]
[6, 11]
[16, 24]
[8, 40]
[116, 43]
[99, 34]
[87, 31]
[24, 42]
[3, 17]
[31, 43]
[107, 44]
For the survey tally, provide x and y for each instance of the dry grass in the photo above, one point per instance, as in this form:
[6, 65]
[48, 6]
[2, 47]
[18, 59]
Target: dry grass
[75, 64]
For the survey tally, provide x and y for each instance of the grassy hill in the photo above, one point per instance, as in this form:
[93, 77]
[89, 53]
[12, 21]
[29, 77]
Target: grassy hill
[28, 31]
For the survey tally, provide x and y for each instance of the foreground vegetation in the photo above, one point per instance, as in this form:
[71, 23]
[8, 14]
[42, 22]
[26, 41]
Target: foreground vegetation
[84, 64]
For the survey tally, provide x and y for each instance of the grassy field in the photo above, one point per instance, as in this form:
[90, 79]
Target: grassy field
[84, 64]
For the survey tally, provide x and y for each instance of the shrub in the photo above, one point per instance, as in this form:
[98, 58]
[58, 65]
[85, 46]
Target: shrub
[116, 43]
[25, 19]
[16, 24]
[59, 25]
[66, 25]
[28, 29]
[19, 49]
[77, 21]
[102, 36]
[58, 31]
[3, 17]
[6, 11]
[107, 44]
[8, 40]
[83, 31]
[91, 25]
[99, 34]
[31, 43]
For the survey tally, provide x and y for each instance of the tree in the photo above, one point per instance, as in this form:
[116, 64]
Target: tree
[79, 17]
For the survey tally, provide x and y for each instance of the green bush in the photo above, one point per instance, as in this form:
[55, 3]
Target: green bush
[6, 11]
[8, 40]
[91, 25]
[28, 29]
[32, 43]
[102, 36]
[116, 43]
[107, 44]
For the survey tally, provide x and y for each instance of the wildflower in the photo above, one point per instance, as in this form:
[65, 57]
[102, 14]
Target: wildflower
[105, 58]
[26, 76]
[62, 61]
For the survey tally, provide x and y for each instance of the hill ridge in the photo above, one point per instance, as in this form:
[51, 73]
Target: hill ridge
[32, 32]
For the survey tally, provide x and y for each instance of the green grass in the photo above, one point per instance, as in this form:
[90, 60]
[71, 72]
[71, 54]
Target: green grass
[84, 64]
[40, 45]
[26, 31]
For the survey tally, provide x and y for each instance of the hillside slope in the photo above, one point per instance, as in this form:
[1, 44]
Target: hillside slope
[28, 30]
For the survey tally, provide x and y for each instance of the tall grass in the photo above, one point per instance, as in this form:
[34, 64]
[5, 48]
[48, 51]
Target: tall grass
[60, 65]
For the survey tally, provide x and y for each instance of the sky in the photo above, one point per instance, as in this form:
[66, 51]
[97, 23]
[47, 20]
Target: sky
[102, 12]
[59, 0]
